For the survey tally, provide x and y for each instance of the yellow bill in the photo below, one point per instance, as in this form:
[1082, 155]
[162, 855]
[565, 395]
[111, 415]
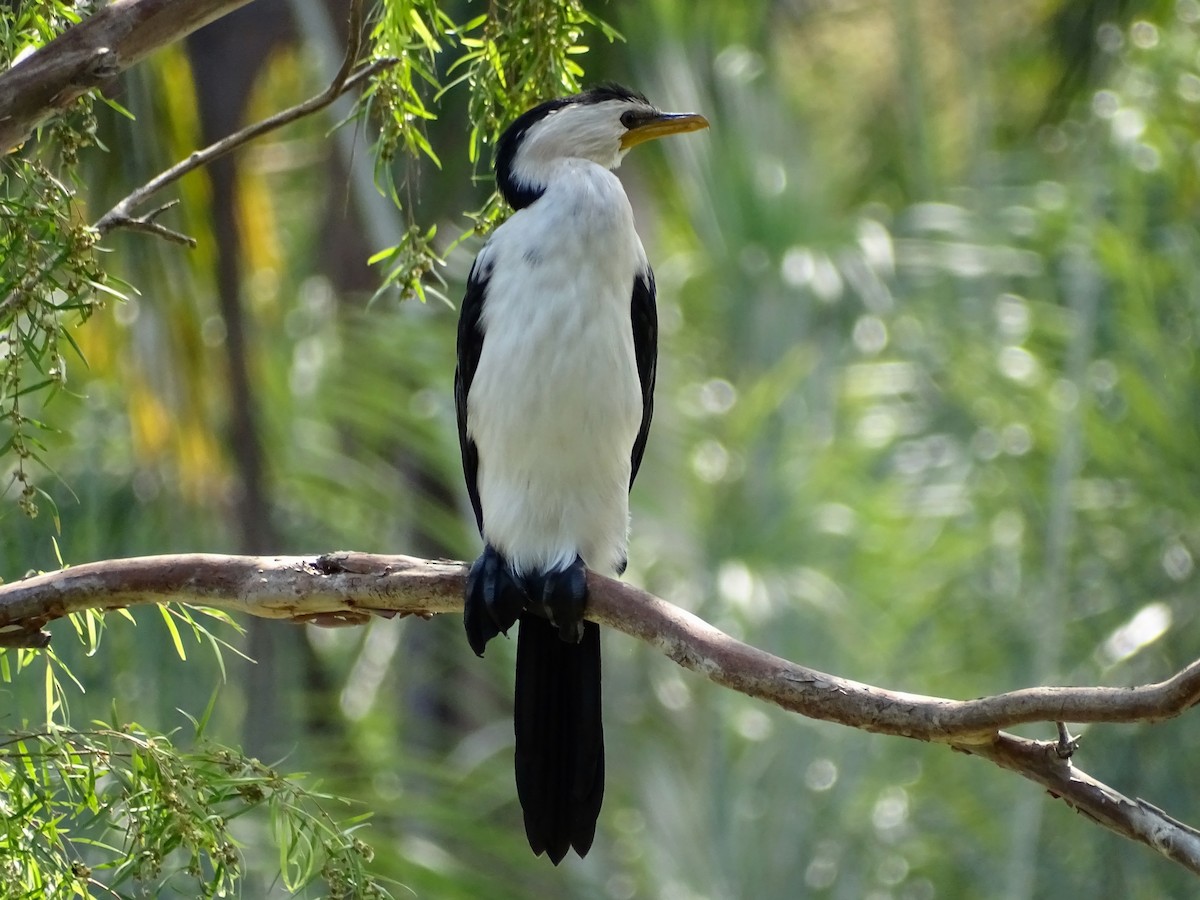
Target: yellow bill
[661, 125]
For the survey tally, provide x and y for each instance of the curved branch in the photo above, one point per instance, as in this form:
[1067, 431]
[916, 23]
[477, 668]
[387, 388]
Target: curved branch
[347, 588]
[346, 79]
[140, 14]
[1133, 818]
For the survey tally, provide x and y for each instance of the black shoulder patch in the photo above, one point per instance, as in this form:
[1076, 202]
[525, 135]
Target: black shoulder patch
[470, 345]
[643, 313]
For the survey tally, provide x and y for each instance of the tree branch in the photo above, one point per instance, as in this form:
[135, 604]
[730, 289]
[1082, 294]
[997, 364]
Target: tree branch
[121, 215]
[89, 54]
[347, 588]
[141, 12]
[1135, 819]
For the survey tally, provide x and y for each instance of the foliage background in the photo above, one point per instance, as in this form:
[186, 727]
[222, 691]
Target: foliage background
[928, 417]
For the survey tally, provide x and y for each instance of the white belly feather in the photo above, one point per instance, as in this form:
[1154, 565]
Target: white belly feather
[555, 404]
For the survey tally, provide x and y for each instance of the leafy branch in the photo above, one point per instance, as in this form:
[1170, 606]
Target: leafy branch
[347, 78]
[53, 57]
[116, 805]
[513, 56]
[350, 588]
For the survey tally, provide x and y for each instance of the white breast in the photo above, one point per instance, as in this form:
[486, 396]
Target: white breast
[555, 404]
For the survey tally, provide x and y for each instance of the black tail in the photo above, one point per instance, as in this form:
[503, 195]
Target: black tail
[560, 736]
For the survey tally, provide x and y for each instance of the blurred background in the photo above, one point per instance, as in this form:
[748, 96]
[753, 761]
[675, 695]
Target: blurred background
[928, 417]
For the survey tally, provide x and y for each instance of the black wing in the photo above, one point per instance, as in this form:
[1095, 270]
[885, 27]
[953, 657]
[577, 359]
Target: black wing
[470, 345]
[644, 314]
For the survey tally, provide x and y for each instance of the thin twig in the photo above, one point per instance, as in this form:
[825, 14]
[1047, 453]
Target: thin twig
[147, 224]
[1133, 818]
[121, 215]
[15, 298]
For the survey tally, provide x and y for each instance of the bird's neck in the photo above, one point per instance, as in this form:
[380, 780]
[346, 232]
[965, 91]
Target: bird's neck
[529, 177]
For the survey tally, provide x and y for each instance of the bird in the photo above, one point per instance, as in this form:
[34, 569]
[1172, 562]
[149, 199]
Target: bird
[554, 392]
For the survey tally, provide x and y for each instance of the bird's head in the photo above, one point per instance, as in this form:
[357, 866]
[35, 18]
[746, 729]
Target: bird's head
[600, 125]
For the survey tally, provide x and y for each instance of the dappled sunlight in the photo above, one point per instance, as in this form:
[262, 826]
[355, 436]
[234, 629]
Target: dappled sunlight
[1149, 624]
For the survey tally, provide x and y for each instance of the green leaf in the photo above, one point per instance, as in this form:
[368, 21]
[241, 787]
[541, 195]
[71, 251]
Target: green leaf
[169, 618]
[208, 711]
[386, 253]
[423, 32]
[117, 107]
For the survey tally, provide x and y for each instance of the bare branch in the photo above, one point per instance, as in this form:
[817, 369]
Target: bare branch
[1039, 761]
[89, 54]
[121, 215]
[147, 224]
[346, 588]
[350, 587]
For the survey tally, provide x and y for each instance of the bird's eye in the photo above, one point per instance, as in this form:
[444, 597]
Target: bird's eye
[629, 119]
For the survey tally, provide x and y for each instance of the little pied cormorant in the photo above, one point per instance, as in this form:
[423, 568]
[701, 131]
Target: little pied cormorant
[557, 345]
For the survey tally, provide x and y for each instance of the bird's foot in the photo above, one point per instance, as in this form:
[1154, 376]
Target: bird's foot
[494, 599]
[562, 598]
